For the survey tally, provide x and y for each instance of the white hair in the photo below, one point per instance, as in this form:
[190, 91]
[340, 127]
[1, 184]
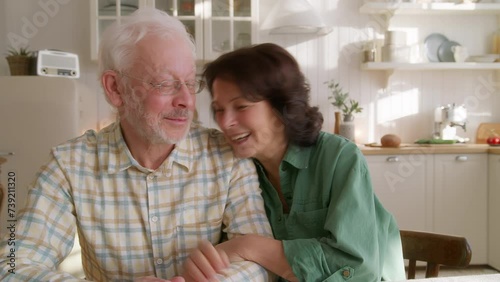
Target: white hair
[117, 43]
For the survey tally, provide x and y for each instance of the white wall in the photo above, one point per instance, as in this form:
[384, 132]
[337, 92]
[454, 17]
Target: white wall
[53, 24]
[404, 106]
[3, 36]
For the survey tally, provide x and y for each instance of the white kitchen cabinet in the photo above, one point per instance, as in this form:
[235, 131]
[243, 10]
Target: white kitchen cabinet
[460, 199]
[218, 26]
[103, 13]
[494, 211]
[403, 183]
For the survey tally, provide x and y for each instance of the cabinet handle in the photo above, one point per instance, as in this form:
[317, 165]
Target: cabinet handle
[392, 159]
[461, 158]
[6, 153]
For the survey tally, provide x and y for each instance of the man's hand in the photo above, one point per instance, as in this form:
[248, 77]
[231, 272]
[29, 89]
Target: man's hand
[205, 262]
[154, 279]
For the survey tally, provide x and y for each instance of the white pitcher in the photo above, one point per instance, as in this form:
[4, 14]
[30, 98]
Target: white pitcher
[460, 53]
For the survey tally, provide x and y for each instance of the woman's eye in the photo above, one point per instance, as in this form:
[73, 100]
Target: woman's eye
[217, 110]
[242, 107]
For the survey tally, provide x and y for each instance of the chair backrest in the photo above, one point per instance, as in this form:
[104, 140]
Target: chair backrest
[435, 249]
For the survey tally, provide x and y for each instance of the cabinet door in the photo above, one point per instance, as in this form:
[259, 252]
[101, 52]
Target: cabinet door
[229, 24]
[494, 211]
[190, 13]
[402, 183]
[460, 203]
[105, 12]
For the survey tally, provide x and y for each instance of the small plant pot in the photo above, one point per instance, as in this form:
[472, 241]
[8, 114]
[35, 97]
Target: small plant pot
[348, 118]
[20, 65]
[347, 129]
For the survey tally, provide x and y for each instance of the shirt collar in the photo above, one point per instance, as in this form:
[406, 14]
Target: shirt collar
[119, 157]
[298, 156]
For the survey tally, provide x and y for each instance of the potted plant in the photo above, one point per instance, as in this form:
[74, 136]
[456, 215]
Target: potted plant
[20, 61]
[340, 100]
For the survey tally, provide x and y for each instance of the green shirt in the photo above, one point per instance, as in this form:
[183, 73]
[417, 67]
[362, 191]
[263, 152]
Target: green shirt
[336, 230]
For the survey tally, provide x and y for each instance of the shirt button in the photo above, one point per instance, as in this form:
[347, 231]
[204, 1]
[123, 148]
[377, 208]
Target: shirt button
[279, 218]
[154, 218]
[159, 261]
[151, 176]
[346, 273]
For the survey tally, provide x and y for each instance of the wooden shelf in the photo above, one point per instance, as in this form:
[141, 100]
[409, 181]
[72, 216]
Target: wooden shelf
[429, 8]
[430, 66]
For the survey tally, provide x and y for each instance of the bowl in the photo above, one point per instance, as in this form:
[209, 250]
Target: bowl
[488, 58]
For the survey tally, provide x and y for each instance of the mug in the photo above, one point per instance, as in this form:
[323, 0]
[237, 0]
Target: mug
[460, 53]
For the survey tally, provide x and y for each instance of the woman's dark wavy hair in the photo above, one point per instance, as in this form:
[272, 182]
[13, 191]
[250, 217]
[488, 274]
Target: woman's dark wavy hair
[268, 72]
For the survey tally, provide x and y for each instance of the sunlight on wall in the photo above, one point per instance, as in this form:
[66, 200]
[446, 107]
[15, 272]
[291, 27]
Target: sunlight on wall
[397, 105]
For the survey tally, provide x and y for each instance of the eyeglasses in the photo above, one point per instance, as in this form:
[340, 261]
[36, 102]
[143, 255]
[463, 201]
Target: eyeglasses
[171, 87]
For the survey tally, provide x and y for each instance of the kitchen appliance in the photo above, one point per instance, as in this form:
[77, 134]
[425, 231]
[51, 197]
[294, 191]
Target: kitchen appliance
[37, 113]
[447, 119]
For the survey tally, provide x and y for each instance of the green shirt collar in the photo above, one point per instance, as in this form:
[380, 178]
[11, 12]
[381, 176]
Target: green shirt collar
[298, 156]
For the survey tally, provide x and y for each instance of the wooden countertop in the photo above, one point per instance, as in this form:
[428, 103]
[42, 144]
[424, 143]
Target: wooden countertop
[408, 149]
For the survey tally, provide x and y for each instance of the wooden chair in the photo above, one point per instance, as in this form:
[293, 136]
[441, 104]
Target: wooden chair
[435, 249]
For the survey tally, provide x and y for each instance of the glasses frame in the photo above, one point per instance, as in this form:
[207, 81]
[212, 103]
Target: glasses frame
[173, 84]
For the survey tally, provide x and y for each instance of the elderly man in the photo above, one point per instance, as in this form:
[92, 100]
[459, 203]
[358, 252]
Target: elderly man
[144, 191]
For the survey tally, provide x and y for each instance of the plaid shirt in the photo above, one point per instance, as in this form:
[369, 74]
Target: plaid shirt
[133, 221]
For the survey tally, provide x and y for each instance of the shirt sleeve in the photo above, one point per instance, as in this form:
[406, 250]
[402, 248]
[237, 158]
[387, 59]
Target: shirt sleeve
[40, 242]
[358, 231]
[245, 214]
[246, 271]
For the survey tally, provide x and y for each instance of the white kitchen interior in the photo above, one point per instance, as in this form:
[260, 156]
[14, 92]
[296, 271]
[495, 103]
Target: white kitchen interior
[396, 99]
[404, 105]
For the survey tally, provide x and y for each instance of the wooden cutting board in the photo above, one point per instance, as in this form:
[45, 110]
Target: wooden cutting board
[484, 131]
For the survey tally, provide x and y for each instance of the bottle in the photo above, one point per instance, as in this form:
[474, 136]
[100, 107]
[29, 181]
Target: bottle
[496, 42]
[336, 128]
[369, 53]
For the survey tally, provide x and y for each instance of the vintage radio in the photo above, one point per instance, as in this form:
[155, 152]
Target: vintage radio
[57, 63]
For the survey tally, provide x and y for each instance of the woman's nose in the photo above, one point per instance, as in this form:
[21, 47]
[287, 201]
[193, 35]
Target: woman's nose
[227, 120]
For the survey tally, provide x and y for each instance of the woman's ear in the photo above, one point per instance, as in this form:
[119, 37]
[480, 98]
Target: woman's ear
[110, 85]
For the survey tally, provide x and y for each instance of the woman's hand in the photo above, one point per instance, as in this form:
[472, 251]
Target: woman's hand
[205, 262]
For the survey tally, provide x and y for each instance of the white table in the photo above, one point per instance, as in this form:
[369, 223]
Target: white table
[469, 278]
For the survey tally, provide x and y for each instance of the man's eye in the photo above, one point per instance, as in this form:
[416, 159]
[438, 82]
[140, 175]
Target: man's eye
[242, 107]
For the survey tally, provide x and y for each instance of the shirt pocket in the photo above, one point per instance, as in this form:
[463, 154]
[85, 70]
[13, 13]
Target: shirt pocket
[188, 237]
[310, 223]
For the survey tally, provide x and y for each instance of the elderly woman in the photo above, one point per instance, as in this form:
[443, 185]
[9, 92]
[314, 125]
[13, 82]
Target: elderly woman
[327, 223]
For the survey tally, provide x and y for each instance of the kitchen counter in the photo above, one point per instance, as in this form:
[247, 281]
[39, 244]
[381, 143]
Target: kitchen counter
[410, 149]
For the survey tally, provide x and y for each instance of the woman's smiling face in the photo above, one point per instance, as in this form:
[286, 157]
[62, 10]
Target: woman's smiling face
[252, 128]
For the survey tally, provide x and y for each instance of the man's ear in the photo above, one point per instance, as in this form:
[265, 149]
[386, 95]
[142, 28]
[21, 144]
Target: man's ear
[110, 85]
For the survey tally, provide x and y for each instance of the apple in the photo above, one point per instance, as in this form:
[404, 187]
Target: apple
[494, 140]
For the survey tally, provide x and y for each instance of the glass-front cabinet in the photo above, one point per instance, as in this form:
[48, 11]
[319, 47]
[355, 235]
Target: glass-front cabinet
[229, 24]
[218, 26]
[105, 12]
